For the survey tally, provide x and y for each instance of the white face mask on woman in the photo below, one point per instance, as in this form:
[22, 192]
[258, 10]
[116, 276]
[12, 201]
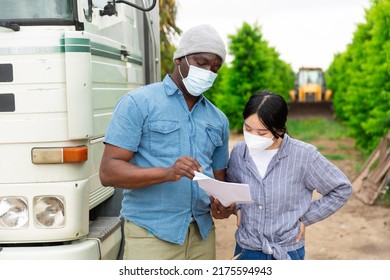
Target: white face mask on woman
[257, 143]
[198, 80]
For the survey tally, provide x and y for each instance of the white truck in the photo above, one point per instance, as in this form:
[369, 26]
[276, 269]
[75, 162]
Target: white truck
[63, 66]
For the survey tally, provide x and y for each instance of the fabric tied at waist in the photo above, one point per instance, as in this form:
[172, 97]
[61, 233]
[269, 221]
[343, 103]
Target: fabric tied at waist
[275, 250]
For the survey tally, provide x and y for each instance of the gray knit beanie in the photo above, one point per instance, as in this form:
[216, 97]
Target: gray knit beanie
[201, 38]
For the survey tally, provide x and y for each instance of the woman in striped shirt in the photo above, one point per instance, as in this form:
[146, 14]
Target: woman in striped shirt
[282, 173]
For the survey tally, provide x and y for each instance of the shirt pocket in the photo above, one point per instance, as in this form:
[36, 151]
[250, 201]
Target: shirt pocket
[164, 140]
[213, 140]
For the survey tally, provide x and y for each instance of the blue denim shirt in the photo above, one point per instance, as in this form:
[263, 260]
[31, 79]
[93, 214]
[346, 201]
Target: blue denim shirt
[155, 123]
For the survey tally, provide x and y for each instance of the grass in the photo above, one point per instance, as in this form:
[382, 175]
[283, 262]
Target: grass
[320, 129]
[335, 157]
[312, 129]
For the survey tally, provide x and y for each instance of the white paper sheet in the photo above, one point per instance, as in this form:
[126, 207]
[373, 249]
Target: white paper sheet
[227, 193]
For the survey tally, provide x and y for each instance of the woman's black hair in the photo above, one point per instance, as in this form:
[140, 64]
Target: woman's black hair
[271, 109]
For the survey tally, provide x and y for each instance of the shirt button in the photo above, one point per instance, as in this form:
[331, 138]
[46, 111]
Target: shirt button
[260, 207]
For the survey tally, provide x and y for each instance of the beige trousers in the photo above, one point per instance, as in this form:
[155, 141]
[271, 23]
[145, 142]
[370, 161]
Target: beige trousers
[142, 245]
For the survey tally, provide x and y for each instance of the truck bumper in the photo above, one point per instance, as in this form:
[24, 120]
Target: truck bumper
[84, 250]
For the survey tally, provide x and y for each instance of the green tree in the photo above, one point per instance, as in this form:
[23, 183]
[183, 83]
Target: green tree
[256, 66]
[360, 78]
[219, 86]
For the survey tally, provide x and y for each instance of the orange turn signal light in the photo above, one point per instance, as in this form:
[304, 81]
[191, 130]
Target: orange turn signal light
[59, 155]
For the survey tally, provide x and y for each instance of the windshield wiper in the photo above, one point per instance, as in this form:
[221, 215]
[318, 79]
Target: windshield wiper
[9, 24]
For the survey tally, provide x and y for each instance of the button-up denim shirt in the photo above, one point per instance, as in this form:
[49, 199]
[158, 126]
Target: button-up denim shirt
[155, 123]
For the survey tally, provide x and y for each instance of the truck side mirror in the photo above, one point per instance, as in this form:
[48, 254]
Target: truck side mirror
[109, 10]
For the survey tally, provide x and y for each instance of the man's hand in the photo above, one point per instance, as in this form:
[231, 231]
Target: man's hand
[185, 166]
[218, 211]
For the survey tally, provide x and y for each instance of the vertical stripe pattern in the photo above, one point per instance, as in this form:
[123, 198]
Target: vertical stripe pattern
[283, 198]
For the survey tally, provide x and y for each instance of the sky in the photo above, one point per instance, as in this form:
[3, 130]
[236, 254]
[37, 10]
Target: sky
[303, 32]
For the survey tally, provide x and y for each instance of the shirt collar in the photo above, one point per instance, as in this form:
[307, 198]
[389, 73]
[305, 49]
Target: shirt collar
[283, 150]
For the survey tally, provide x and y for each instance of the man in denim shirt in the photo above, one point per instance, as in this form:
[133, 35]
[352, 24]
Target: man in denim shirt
[159, 135]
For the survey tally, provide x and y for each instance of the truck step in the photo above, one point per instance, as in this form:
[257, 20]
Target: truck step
[103, 227]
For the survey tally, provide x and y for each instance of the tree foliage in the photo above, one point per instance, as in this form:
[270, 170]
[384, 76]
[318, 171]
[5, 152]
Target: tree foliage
[168, 30]
[255, 66]
[360, 78]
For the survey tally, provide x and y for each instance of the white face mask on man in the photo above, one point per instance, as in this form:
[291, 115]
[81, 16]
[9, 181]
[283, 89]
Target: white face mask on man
[257, 143]
[198, 80]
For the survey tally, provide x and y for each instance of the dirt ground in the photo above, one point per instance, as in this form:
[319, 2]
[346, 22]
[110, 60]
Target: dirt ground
[356, 232]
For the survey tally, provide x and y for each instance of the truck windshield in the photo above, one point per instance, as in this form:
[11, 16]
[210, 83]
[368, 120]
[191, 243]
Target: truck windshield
[27, 12]
[310, 77]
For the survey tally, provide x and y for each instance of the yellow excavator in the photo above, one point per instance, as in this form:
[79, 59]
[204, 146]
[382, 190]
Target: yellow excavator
[310, 96]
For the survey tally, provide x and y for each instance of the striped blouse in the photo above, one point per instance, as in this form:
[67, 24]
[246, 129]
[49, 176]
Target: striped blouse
[283, 197]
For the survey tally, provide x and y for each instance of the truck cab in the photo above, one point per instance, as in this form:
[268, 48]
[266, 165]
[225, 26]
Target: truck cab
[63, 66]
[310, 86]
